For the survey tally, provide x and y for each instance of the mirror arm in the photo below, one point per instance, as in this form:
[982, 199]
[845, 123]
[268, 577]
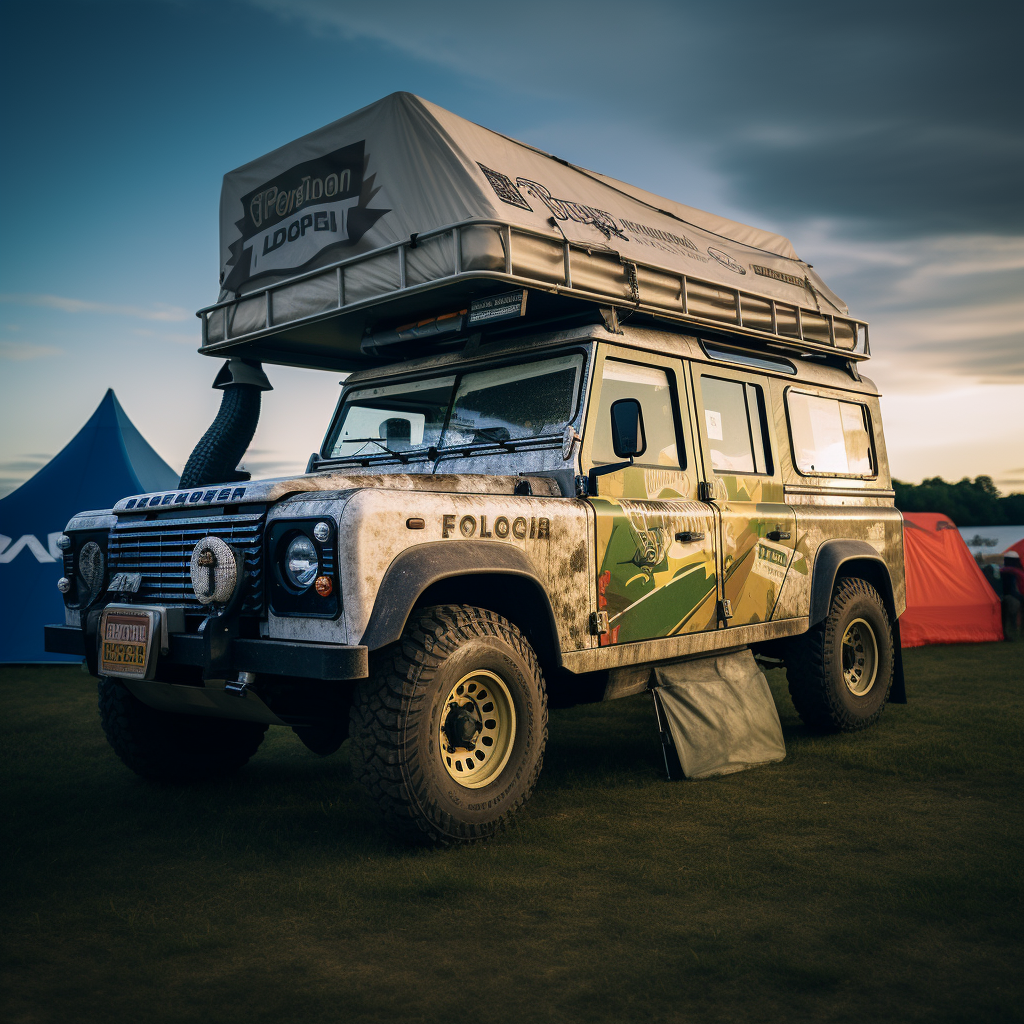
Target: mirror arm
[612, 467]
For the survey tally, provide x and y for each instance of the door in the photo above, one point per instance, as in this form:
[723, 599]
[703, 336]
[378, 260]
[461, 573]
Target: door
[758, 530]
[656, 562]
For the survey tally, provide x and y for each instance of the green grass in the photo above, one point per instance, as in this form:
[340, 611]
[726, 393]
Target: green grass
[871, 877]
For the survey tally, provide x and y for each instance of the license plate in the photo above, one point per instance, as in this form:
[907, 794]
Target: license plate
[126, 642]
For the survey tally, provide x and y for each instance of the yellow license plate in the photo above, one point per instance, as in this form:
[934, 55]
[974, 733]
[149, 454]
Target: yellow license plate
[126, 642]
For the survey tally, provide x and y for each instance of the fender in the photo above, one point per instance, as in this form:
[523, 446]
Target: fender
[828, 560]
[421, 566]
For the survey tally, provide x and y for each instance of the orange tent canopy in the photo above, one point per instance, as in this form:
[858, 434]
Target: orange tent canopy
[949, 601]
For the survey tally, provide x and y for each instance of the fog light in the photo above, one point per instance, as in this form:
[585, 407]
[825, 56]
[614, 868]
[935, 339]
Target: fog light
[322, 531]
[324, 586]
[63, 584]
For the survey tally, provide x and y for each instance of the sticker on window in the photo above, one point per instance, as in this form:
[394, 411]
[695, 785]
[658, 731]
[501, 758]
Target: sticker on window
[714, 424]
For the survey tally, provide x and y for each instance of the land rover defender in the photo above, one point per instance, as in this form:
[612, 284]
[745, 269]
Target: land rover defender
[585, 431]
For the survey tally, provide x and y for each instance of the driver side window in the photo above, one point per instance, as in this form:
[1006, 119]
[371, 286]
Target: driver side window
[651, 387]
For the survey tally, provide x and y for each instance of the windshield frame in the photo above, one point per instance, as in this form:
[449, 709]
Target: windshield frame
[433, 453]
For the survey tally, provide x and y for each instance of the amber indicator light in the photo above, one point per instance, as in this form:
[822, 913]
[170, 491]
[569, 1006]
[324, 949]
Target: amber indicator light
[415, 524]
[324, 586]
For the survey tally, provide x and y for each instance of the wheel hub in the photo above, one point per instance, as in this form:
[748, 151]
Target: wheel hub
[860, 657]
[477, 729]
[462, 725]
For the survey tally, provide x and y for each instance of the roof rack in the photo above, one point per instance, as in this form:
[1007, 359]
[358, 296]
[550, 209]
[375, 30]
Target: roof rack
[318, 318]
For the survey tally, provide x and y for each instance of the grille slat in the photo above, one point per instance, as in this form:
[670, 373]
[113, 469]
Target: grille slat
[161, 552]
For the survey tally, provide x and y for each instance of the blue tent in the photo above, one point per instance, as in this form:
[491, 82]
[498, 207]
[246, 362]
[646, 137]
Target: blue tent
[107, 459]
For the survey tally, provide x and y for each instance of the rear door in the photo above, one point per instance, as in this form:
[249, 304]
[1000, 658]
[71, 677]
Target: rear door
[655, 543]
[738, 453]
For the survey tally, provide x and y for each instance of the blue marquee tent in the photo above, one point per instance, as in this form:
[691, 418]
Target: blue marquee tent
[107, 459]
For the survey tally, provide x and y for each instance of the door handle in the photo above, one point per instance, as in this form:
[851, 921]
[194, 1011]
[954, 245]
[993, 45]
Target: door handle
[778, 535]
[689, 536]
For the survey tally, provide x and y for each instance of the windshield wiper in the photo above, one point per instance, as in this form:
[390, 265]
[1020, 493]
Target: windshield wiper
[401, 456]
[485, 434]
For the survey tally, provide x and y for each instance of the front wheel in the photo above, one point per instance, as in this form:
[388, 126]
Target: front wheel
[448, 731]
[840, 671]
[167, 747]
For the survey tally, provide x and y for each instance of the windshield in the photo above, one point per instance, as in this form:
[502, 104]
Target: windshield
[505, 405]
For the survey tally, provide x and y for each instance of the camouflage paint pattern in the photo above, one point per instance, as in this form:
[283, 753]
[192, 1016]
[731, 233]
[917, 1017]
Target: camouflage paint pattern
[650, 584]
[754, 568]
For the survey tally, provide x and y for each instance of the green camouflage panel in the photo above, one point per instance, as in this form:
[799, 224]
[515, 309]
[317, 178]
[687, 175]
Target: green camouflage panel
[754, 567]
[651, 584]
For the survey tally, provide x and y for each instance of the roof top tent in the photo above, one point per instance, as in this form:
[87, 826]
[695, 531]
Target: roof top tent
[402, 223]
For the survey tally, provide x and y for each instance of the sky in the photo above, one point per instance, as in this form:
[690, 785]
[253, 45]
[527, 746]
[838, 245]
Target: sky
[884, 139]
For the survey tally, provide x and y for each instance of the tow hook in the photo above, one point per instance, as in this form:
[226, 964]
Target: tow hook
[240, 686]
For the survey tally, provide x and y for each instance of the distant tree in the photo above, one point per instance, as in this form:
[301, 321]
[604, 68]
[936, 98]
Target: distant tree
[966, 502]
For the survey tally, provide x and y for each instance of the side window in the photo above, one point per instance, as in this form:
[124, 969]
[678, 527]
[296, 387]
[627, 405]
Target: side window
[830, 436]
[736, 424]
[651, 387]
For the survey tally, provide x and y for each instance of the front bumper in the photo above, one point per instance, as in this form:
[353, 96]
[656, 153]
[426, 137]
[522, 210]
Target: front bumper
[331, 662]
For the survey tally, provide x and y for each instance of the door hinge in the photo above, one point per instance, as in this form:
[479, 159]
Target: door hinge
[724, 610]
[704, 490]
[777, 535]
[598, 623]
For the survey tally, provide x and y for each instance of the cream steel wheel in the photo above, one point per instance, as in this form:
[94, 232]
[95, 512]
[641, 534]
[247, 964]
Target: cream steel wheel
[477, 729]
[860, 657]
[448, 730]
[840, 671]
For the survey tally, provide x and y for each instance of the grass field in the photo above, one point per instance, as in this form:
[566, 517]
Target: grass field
[871, 877]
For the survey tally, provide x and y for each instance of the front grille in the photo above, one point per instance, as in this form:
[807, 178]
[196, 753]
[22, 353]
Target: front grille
[161, 552]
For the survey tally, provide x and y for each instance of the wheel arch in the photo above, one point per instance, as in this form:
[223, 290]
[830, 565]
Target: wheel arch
[857, 559]
[487, 574]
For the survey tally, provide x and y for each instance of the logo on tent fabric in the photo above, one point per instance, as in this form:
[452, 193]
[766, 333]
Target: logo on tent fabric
[727, 261]
[292, 218]
[561, 209]
[508, 191]
[9, 552]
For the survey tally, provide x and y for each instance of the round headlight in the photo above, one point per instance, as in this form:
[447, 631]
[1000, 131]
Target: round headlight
[301, 564]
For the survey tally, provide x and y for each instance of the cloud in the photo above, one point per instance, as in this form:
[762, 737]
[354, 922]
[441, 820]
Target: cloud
[179, 338]
[21, 351]
[14, 472]
[159, 312]
[899, 119]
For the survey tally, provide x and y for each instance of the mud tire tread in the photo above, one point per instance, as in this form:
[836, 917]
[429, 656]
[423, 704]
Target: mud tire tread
[811, 656]
[165, 747]
[394, 694]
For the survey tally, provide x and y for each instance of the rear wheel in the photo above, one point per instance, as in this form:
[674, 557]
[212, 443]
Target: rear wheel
[840, 671]
[166, 747]
[448, 731]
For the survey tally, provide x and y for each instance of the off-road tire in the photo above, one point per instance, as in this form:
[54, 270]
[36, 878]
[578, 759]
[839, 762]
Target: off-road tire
[397, 712]
[166, 747]
[814, 662]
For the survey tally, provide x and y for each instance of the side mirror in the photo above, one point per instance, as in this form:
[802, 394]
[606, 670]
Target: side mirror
[628, 438]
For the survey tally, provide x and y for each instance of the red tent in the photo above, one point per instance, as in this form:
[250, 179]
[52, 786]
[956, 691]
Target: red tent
[949, 601]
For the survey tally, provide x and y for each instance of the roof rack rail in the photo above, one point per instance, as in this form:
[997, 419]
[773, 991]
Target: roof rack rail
[318, 318]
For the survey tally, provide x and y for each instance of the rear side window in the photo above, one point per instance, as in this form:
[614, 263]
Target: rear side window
[829, 436]
[736, 425]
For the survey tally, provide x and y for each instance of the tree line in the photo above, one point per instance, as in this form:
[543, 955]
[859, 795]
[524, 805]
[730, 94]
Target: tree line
[976, 502]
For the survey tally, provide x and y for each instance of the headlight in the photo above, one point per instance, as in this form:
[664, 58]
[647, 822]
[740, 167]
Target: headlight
[301, 563]
[304, 577]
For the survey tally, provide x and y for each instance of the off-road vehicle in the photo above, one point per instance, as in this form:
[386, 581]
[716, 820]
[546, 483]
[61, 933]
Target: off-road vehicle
[585, 430]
